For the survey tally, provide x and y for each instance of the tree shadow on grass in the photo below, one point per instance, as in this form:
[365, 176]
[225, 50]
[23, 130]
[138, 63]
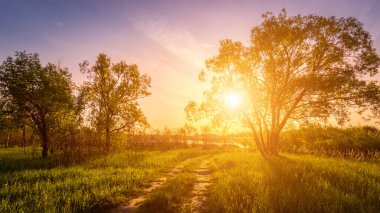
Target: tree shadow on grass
[299, 186]
[27, 163]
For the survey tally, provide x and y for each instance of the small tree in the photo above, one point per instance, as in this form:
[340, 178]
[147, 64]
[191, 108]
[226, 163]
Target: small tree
[112, 93]
[36, 93]
[296, 68]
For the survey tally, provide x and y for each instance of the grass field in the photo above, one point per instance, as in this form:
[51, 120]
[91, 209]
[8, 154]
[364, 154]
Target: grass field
[35, 185]
[246, 182]
[241, 182]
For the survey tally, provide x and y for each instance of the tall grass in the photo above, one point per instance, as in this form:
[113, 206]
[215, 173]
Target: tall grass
[44, 186]
[331, 138]
[247, 182]
[14, 159]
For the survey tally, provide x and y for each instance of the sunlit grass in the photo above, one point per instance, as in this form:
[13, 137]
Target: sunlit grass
[242, 182]
[247, 182]
[109, 181]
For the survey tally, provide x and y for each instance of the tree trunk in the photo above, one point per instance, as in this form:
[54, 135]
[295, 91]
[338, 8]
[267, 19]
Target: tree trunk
[23, 136]
[7, 142]
[256, 138]
[30, 142]
[45, 143]
[259, 145]
[274, 141]
[108, 140]
[44, 138]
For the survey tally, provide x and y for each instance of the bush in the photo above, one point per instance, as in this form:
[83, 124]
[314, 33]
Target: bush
[359, 139]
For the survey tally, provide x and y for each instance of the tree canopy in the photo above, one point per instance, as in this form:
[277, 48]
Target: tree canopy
[39, 94]
[112, 94]
[296, 68]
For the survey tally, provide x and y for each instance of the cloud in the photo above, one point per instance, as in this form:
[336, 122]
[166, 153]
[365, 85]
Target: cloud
[177, 41]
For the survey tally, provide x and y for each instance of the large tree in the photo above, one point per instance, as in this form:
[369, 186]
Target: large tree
[36, 94]
[112, 93]
[296, 68]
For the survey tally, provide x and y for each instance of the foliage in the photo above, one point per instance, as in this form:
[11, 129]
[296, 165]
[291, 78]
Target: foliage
[112, 94]
[42, 95]
[296, 68]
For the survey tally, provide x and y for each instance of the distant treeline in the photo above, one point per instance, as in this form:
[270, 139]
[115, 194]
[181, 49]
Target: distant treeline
[311, 139]
[174, 141]
[332, 141]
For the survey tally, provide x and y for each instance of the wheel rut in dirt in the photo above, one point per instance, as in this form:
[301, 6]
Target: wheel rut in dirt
[134, 204]
[197, 203]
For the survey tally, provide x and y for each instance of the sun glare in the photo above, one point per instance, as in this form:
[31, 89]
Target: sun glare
[233, 100]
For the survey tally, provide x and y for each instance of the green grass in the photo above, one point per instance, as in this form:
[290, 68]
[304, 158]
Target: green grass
[243, 182]
[43, 186]
[170, 197]
[13, 159]
[247, 182]
[173, 195]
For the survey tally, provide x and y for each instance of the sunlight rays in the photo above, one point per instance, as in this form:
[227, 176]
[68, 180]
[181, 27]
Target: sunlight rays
[233, 100]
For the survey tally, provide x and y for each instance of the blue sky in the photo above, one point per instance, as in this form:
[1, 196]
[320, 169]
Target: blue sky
[169, 40]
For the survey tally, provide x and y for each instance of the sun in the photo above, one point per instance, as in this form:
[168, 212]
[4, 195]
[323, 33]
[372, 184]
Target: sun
[234, 100]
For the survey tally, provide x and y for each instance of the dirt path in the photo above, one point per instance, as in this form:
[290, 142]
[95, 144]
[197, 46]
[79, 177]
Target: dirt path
[133, 204]
[199, 194]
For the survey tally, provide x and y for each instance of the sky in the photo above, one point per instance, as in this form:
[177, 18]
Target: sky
[168, 39]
